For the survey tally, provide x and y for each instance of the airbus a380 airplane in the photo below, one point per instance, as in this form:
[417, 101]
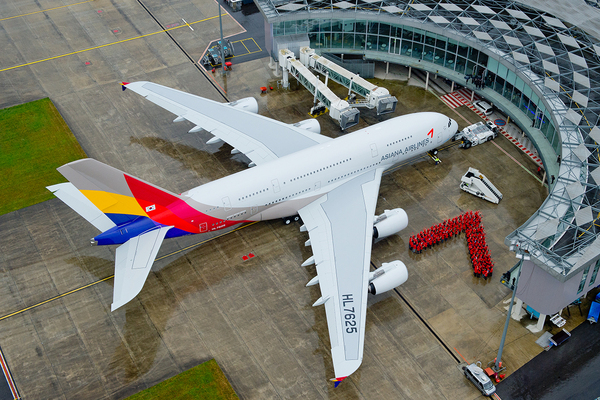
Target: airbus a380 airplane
[333, 184]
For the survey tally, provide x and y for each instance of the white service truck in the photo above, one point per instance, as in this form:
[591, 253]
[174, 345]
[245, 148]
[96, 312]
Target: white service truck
[476, 134]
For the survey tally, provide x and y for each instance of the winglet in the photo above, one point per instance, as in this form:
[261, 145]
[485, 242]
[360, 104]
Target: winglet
[124, 85]
[338, 380]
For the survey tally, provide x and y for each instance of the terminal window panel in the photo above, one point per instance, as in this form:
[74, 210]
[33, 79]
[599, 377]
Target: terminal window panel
[417, 43]
[583, 279]
[595, 273]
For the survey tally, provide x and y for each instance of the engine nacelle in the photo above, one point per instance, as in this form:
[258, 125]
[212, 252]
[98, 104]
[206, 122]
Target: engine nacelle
[247, 104]
[387, 277]
[389, 223]
[311, 125]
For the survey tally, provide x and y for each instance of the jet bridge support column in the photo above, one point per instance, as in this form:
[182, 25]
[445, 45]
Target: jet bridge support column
[286, 81]
[517, 311]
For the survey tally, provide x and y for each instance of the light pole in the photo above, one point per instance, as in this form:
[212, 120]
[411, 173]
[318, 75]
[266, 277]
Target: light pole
[512, 300]
[223, 70]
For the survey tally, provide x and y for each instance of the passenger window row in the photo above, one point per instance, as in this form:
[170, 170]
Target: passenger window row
[353, 172]
[321, 169]
[398, 141]
[287, 197]
[253, 194]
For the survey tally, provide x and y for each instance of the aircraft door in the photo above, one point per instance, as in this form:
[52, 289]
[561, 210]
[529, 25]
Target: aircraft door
[203, 227]
[226, 203]
[317, 185]
[373, 150]
[439, 137]
[275, 184]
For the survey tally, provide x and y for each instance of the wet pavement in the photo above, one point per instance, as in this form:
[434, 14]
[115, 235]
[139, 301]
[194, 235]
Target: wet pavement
[569, 371]
[202, 300]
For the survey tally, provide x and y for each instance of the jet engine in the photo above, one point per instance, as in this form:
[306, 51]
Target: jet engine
[387, 277]
[247, 104]
[311, 125]
[389, 223]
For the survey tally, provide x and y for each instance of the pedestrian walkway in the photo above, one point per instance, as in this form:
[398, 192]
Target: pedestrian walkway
[451, 100]
[460, 97]
[510, 131]
[464, 95]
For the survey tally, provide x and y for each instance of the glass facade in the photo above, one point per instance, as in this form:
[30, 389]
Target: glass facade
[583, 279]
[427, 46]
[595, 273]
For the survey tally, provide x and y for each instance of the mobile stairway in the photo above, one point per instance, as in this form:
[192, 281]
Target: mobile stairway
[478, 185]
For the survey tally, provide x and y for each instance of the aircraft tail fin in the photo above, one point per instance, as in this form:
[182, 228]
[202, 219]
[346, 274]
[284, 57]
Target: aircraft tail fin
[120, 197]
[122, 207]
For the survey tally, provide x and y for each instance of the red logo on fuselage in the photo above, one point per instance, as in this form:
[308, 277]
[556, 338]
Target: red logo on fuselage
[430, 133]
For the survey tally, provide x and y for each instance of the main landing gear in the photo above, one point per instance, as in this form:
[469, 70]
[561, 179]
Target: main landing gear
[289, 220]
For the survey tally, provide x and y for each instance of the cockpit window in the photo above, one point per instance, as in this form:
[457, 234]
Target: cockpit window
[449, 122]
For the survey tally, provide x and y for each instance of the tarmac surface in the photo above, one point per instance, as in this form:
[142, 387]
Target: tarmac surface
[202, 300]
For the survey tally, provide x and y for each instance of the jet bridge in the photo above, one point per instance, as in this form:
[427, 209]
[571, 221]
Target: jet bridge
[374, 96]
[339, 109]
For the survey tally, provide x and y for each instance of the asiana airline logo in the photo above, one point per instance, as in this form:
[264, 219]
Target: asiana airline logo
[408, 149]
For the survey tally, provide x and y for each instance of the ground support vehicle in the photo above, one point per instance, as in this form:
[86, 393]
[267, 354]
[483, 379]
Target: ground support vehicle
[479, 378]
[476, 134]
[213, 55]
[484, 107]
[594, 310]
[477, 184]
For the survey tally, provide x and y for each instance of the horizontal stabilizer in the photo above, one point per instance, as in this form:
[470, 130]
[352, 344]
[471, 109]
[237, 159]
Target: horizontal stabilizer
[72, 197]
[133, 262]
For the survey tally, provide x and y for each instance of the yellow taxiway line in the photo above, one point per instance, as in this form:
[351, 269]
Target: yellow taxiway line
[107, 44]
[48, 9]
[112, 276]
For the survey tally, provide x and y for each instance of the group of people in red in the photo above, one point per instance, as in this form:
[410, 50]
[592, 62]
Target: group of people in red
[470, 223]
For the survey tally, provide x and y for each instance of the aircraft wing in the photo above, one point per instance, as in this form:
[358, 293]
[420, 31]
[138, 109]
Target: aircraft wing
[340, 227]
[133, 262]
[260, 138]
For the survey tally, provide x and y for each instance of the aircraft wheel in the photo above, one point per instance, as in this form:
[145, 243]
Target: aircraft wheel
[434, 152]
[297, 218]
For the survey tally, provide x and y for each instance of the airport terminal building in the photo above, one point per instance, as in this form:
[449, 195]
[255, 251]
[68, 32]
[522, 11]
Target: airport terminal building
[539, 70]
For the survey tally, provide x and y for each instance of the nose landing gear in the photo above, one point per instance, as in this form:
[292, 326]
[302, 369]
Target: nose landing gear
[434, 157]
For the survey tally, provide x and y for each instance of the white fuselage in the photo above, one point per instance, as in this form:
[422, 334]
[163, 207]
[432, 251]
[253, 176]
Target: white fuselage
[281, 187]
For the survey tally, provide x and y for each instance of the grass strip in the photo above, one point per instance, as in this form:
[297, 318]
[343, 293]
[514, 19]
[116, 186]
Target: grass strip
[204, 381]
[34, 141]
